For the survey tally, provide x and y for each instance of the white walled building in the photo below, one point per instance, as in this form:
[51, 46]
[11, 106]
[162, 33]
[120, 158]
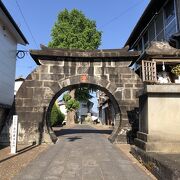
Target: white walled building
[85, 108]
[17, 84]
[62, 107]
[10, 36]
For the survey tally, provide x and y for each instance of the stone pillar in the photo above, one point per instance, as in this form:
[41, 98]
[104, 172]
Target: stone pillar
[159, 129]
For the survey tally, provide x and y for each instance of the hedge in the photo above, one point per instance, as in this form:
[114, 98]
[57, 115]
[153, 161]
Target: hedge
[57, 117]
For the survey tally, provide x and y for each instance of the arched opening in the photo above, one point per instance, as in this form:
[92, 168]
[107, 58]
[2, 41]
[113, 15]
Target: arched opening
[116, 116]
[36, 97]
[60, 70]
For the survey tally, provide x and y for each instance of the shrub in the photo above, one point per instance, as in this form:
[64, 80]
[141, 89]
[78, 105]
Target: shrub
[176, 70]
[70, 103]
[57, 117]
[66, 97]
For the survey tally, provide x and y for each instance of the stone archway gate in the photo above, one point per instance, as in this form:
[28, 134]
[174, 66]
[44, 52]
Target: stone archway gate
[60, 68]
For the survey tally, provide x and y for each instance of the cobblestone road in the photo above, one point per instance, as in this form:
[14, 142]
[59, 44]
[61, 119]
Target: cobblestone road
[82, 153]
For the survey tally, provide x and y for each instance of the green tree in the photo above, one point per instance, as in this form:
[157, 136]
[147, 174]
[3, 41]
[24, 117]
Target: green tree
[74, 31]
[57, 117]
[83, 94]
[71, 104]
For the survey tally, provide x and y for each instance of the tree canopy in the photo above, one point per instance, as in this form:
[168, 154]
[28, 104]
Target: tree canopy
[83, 94]
[70, 103]
[57, 116]
[74, 31]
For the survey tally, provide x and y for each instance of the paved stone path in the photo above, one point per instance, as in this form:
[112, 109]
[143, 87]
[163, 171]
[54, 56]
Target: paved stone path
[82, 153]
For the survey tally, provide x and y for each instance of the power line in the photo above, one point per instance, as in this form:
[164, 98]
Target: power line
[26, 24]
[121, 14]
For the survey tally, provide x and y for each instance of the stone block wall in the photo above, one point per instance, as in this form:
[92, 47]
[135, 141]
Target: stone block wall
[53, 77]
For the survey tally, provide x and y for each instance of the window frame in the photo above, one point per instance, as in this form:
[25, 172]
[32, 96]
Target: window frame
[169, 23]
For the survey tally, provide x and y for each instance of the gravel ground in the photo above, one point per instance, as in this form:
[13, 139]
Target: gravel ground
[11, 164]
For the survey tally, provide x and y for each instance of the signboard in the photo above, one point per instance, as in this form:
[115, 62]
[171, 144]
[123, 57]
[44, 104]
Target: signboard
[14, 134]
[83, 78]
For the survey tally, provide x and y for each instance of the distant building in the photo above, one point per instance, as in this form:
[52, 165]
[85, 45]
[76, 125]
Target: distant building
[106, 110]
[62, 107]
[18, 82]
[10, 36]
[84, 109]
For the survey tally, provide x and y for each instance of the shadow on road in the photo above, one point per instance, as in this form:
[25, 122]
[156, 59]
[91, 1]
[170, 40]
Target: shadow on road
[71, 139]
[62, 132]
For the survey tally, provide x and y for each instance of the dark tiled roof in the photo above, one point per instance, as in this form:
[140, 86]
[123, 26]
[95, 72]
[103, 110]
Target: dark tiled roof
[61, 54]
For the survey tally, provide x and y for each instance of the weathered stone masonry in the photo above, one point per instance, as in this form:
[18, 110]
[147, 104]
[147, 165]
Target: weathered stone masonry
[62, 69]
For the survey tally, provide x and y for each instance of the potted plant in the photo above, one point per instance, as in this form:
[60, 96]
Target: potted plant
[176, 71]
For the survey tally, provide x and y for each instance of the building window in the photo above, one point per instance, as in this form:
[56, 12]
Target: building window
[169, 19]
[152, 32]
[160, 71]
[159, 27]
[145, 40]
[138, 46]
[149, 71]
[177, 9]
[169, 12]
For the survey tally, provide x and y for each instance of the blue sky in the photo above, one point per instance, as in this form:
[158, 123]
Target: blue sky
[115, 18]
